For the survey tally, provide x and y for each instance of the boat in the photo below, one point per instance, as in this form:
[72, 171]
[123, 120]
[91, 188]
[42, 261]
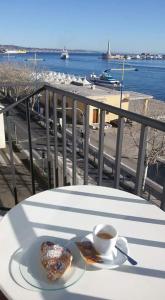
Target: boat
[64, 54]
[15, 51]
[105, 79]
[125, 69]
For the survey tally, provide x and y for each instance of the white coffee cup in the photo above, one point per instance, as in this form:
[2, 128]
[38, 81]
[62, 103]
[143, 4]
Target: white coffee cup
[105, 237]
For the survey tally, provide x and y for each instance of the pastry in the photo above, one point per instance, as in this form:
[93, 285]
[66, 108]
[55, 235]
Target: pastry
[55, 259]
[89, 252]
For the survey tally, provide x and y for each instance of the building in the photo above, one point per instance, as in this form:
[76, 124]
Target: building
[100, 94]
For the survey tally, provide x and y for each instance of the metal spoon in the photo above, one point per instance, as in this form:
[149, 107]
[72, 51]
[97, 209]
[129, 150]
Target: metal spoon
[130, 259]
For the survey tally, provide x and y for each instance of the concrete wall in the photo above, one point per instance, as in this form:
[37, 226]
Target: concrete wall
[113, 100]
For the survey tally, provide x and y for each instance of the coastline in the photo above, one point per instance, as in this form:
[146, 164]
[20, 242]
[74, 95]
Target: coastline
[148, 80]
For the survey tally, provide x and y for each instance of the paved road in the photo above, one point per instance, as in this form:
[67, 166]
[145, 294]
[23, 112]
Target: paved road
[129, 153]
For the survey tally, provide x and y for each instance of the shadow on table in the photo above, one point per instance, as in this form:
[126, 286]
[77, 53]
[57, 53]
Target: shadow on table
[2, 297]
[93, 195]
[70, 296]
[142, 271]
[76, 296]
[97, 213]
[82, 233]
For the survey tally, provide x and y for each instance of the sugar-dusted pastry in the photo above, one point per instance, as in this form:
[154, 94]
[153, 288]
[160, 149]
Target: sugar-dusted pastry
[55, 259]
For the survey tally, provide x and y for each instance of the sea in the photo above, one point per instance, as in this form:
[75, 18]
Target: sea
[149, 79]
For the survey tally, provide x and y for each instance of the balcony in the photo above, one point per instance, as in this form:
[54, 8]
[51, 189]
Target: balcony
[50, 142]
[65, 154]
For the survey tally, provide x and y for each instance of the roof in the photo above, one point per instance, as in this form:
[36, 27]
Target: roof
[102, 92]
[87, 91]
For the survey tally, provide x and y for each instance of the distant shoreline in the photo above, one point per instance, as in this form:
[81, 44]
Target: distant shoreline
[57, 50]
[46, 50]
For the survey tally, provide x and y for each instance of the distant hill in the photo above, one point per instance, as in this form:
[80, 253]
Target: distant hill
[31, 49]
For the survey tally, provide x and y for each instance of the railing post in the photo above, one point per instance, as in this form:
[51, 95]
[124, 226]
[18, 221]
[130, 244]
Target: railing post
[118, 152]
[64, 138]
[101, 146]
[86, 144]
[48, 139]
[11, 158]
[162, 206]
[56, 183]
[30, 146]
[74, 135]
[141, 159]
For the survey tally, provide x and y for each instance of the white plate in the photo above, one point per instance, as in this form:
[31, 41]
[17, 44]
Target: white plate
[118, 258]
[33, 273]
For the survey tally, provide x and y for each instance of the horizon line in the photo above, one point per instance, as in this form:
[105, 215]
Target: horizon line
[87, 50]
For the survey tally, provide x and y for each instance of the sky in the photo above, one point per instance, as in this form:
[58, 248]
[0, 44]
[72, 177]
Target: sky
[130, 26]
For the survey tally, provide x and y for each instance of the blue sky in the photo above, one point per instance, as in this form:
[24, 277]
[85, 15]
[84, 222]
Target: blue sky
[131, 26]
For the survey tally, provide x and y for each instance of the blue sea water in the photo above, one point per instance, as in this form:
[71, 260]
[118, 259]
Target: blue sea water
[149, 79]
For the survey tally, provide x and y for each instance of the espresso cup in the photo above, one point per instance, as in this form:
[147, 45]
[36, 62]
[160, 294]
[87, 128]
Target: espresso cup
[104, 238]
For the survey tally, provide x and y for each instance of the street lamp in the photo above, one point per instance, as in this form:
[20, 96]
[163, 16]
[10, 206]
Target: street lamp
[123, 69]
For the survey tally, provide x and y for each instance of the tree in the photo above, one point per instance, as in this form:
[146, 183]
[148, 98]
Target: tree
[155, 144]
[18, 79]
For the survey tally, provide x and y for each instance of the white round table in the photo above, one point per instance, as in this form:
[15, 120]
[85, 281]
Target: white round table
[73, 211]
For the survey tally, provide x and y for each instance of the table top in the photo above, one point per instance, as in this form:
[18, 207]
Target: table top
[68, 212]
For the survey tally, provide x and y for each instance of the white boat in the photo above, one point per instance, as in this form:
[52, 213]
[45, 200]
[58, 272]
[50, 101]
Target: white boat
[15, 51]
[64, 54]
[105, 79]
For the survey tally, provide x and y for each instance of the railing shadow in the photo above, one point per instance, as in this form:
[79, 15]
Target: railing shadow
[93, 195]
[97, 213]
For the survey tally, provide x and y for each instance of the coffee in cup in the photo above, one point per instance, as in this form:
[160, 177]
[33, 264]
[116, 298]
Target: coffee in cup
[105, 237]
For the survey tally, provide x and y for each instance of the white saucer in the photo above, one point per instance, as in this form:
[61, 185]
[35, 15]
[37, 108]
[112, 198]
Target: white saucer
[116, 259]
